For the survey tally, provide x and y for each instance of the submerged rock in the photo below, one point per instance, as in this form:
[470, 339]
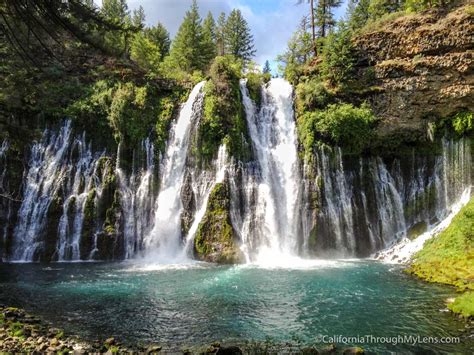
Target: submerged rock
[354, 350]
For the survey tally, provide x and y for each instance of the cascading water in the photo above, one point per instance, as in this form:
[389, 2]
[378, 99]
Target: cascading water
[138, 198]
[61, 173]
[77, 206]
[370, 206]
[274, 219]
[202, 188]
[164, 240]
[5, 203]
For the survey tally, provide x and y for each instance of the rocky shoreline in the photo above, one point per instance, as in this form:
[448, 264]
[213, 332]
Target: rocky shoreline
[21, 332]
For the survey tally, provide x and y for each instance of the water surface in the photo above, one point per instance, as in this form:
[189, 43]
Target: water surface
[188, 305]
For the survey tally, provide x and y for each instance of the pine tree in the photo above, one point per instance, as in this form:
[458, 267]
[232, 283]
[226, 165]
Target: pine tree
[138, 18]
[187, 48]
[358, 13]
[237, 37]
[209, 37]
[160, 36]
[312, 23]
[220, 34]
[116, 11]
[324, 16]
[266, 67]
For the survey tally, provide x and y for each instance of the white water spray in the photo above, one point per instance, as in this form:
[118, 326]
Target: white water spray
[164, 240]
[273, 134]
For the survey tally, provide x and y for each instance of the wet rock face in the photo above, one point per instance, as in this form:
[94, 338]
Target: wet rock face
[189, 204]
[216, 240]
[423, 69]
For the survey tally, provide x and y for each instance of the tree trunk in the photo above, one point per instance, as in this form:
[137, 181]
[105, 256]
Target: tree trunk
[313, 29]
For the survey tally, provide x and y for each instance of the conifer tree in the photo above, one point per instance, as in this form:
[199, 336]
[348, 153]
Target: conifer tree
[209, 38]
[237, 37]
[358, 13]
[160, 36]
[187, 48]
[220, 34]
[266, 67]
[324, 16]
[116, 11]
[138, 18]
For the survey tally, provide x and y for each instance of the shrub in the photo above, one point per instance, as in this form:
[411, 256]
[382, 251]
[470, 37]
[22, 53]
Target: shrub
[463, 122]
[460, 124]
[463, 305]
[341, 124]
[311, 94]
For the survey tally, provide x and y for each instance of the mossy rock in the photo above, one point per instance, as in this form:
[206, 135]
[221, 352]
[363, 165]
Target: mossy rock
[448, 258]
[216, 240]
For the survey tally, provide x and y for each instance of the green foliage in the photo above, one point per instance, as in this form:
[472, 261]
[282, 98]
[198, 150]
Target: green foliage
[448, 258]
[116, 12]
[460, 124]
[138, 18]
[220, 34]
[209, 37]
[344, 125]
[145, 53]
[237, 37]
[324, 16]
[311, 94]
[378, 8]
[464, 305]
[149, 47]
[266, 68]
[296, 55]
[358, 14]
[338, 57]
[223, 120]
[160, 37]
[255, 80]
[189, 51]
[463, 122]
[132, 111]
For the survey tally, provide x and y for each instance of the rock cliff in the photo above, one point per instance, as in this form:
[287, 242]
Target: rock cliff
[422, 69]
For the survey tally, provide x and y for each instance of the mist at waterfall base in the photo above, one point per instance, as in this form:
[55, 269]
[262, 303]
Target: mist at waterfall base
[197, 304]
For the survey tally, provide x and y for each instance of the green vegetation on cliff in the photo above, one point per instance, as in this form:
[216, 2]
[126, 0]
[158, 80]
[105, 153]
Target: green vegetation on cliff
[343, 124]
[215, 239]
[449, 258]
[369, 60]
[223, 119]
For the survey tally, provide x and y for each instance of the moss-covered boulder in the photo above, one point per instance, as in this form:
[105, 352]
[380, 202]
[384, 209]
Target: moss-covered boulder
[216, 240]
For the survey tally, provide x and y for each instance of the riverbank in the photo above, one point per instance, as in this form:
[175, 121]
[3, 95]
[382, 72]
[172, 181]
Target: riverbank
[22, 332]
[449, 259]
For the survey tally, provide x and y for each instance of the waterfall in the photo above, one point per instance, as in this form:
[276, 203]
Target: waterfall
[5, 204]
[202, 188]
[274, 220]
[370, 204]
[80, 178]
[138, 197]
[164, 240]
[60, 175]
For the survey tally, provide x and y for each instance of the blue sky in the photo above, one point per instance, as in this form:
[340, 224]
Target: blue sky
[272, 21]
